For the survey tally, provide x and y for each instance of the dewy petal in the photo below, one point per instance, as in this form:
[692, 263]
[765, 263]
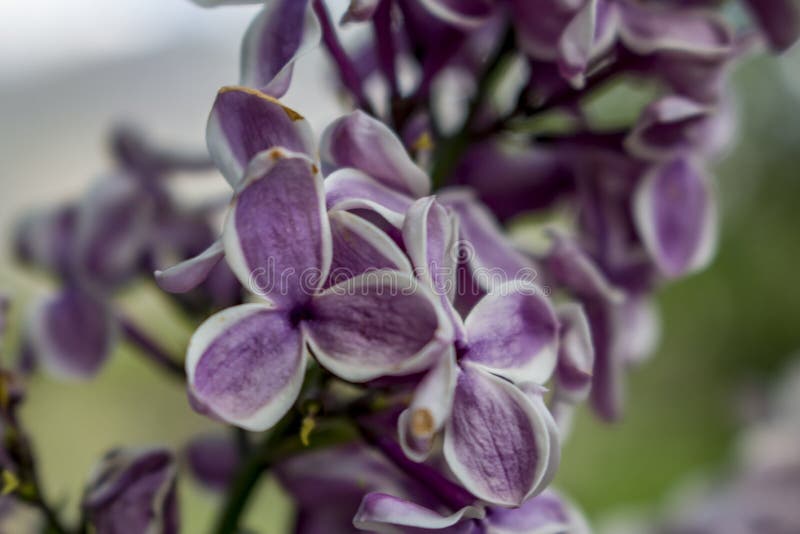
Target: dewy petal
[489, 254]
[675, 215]
[360, 11]
[350, 189]
[466, 14]
[669, 127]
[360, 246]
[429, 409]
[379, 511]
[244, 122]
[189, 274]
[646, 29]
[284, 30]
[359, 141]
[380, 323]
[496, 441]
[71, 333]
[277, 236]
[246, 364]
[513, 332]
[779, 20]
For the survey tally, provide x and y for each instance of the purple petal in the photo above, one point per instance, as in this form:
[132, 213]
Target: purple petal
[113, 227]
[284, 30]
[277, 237]
[575, 355]
[133, 491]
[360, 11]
[544, 514]
[779, 20]
[646, 29]
[46, 239]
[430, 236]
[71, 333]
[381, 323]
[466, 14]
[244, 122]
[351, 189]
[496, 441]
[488, 252]
[213, 459]
[572, 268]
[590, 32]
[360, 246]
[246, 364]
[359, 141]
[669, 127]
[189, 274]
[430, 408]
[540, 25]
[378, 510]
[676, 217]
[513, 332]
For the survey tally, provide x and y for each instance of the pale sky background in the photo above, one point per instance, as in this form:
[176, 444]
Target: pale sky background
[69, 69]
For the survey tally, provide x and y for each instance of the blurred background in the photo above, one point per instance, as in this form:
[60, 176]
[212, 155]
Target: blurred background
[71, 70]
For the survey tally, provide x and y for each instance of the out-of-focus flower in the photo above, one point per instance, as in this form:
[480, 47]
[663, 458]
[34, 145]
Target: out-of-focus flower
[133, 491]
[212, 460]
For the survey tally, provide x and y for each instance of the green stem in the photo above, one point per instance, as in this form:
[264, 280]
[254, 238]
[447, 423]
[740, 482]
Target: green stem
[249, 474]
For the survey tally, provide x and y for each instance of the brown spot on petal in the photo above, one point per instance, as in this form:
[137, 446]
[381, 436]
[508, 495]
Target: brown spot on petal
[292, 114]
[422, 423]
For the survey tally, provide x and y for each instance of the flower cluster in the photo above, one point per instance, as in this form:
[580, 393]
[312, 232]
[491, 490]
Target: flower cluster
[438, 279]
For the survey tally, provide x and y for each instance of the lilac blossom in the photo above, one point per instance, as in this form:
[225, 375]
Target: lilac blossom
[133, 491]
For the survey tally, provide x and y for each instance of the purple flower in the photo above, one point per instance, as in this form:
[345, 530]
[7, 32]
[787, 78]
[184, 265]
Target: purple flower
[133, 491]
[212, 459]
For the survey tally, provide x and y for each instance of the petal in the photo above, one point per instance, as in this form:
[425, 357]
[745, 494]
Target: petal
[360, 11]
[540, 24]
[215, 3]
[572, 268]
[575, 355]
[513, 332]
[46, 239]
[547, 513]
[676, 218]
[360, 246]
[351, 189]
[779, 20]
[669, 127]
[246, 364]
[646, 29]
[71, 333]
[114, 225]
[430, 236]
[490, 255]
[133, 490]
[590, 32]
[244, 122]
[381, 323]
[284, 30]
[379, 510]
[496, 441]
[213, 459]
[359, 141]
[430, 408]
[277, 237]
[189, 274]
[607, 394]
[466, 14]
